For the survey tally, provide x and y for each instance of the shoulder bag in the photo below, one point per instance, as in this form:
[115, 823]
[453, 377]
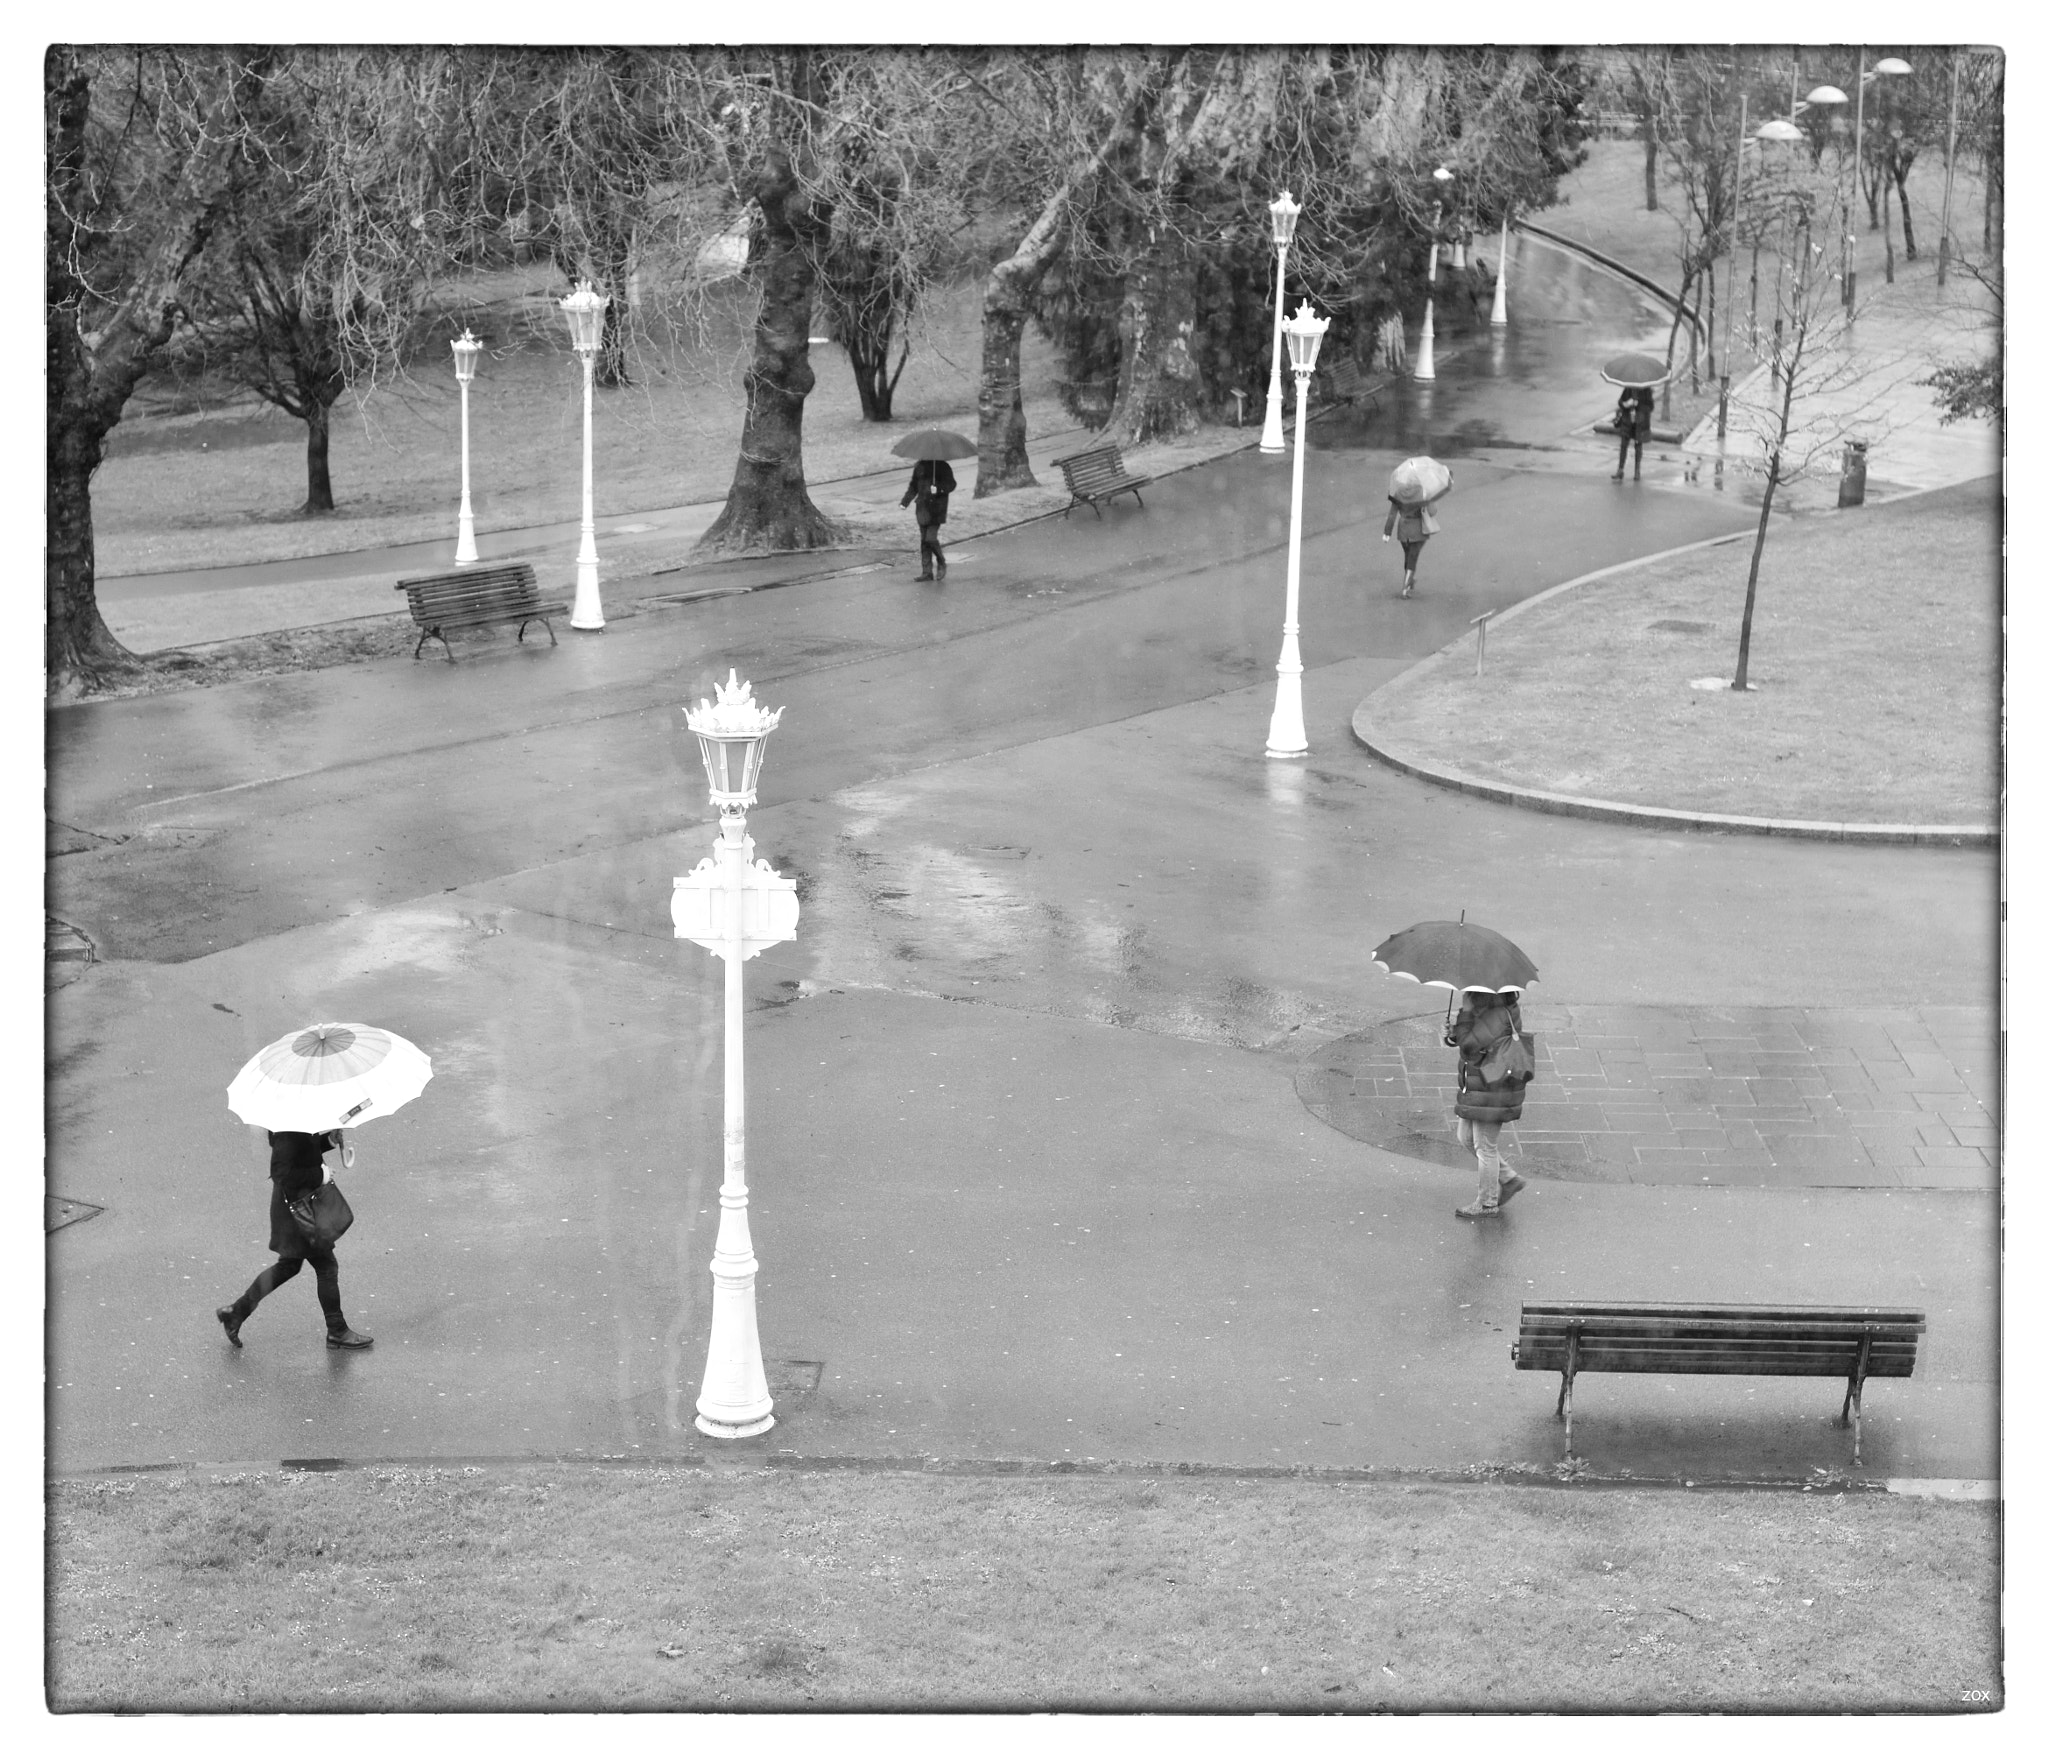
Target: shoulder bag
[322, 1215]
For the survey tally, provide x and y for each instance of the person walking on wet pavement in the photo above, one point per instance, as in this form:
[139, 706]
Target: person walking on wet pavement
[1415, 525]
[931, 482]
[1632, 422]
[1492, 1071]
[297, 1165]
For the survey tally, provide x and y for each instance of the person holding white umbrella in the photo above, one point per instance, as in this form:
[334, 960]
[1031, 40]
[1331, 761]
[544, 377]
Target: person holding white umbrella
[304, 1090]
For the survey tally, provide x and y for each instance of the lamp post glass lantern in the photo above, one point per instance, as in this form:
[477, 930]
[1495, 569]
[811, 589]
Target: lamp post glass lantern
[584, 309]
[735, 907]
[465, 348]
[1286, 734]
[1425, 365]
[1285, 212]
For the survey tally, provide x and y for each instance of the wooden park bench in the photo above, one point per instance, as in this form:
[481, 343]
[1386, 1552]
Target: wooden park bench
[1345, 382]
[1098, 474]
[1853, 1343]
[472, 596]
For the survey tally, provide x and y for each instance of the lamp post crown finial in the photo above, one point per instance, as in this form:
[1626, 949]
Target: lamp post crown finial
[735, 712]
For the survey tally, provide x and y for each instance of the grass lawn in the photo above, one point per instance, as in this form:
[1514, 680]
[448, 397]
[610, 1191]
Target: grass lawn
[597, 1588]
[162, 503]
[1875, 656]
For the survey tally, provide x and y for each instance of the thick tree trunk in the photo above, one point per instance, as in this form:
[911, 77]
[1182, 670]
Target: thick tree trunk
[875, 384]
[319, 488]
[768, 506]
[1002, 461]
[1159, 380]
[88, 382]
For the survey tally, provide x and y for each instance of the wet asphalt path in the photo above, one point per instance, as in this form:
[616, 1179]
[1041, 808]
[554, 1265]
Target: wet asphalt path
[1031, 1176]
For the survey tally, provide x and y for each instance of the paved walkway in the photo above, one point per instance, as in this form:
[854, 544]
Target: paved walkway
[1767, 1096]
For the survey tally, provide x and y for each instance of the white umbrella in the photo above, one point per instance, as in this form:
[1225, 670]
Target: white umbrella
[328, 1077]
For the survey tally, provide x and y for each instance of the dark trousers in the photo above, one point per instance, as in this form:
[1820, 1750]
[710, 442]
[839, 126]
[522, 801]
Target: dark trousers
[1627, 440]
[326, 1283]
[929, 554]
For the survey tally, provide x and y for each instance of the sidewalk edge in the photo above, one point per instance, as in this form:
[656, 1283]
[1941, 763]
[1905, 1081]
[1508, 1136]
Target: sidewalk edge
[1616, 811]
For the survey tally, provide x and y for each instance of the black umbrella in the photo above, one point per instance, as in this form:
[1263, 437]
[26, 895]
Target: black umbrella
[934, 442]
[1455, 955]
[1640, 372]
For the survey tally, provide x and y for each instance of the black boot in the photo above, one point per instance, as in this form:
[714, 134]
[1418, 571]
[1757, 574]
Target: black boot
[231, 1322]
[348, 1339]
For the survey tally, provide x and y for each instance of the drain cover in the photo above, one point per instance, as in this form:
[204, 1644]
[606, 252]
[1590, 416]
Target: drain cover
[1678, 627]
[61, 1211]
[787, 1379]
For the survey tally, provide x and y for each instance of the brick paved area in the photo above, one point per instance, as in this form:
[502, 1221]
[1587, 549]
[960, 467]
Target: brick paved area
[1669, 1095]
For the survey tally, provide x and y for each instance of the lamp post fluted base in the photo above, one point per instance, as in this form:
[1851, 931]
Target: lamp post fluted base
[1425, 359]
[588, 610]
[1287, 733]
[734, 1402]
[465, 540]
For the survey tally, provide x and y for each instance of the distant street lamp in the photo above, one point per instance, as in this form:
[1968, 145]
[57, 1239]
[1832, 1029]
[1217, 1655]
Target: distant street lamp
[1500, 276]
[1285, 211]
[584, 309]
[466, 348]
[1734, 249]
[1948, 163]
[1287, 735]
[1425, 365]
[734, 906]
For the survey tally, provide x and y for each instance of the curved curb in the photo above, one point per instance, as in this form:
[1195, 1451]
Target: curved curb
[1613, 265]
[1616, 811]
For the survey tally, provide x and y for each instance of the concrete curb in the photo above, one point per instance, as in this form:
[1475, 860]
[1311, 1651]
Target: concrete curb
[742, 1456]
[1615, 811]
[1614, 266]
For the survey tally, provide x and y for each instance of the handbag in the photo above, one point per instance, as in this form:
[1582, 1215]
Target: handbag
[1513, 1058]
[322, 1215]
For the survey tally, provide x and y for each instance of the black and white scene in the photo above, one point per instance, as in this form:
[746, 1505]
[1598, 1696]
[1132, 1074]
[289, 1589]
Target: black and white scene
[1082, 879]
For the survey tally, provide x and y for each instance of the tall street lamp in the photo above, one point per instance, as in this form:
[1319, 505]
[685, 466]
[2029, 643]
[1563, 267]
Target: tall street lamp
[584, 309]
[466, 348]
[1287, 736]
[1734, 249]
[734, 906]
[1425, 365]
[1948, 163]
[1891, 67]
[1500, 276]
[1285, 211]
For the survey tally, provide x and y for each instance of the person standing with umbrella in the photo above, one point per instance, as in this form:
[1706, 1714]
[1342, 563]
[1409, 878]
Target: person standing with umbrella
[304, 1090]
[1487, 972]
[931, 484]
[1417, 484]
[1638, 375]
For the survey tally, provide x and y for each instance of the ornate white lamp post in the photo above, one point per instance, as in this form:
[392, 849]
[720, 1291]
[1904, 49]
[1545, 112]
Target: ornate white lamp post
[734, 906]
[584, 309]
[1285, 211]
[1425, 365]
[1286, 736]
[466, 348]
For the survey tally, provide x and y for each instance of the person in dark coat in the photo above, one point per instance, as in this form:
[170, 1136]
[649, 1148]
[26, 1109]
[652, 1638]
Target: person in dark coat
[1484, 1022]
[297, 1165]
[1632, 422]
[931, 482]
[1415, 526]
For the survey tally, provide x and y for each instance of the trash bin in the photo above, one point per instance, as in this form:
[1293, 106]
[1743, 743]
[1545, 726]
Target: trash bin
[1855, 455]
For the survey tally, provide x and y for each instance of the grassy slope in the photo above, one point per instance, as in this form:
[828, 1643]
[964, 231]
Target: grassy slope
[565, 1588]
[1875, 653]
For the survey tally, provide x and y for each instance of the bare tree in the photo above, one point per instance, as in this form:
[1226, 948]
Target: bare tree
[139, 145]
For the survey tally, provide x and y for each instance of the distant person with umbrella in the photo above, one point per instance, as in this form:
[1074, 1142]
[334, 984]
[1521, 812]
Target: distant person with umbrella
[1638, 375]
[931, 484]
[1485, 971]
[303, 1090]
[1417, 484]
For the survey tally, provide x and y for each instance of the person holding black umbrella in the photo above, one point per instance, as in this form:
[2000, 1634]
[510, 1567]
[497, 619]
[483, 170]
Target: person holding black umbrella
[1493, 1068]
[1632, 421]
[931, 483]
